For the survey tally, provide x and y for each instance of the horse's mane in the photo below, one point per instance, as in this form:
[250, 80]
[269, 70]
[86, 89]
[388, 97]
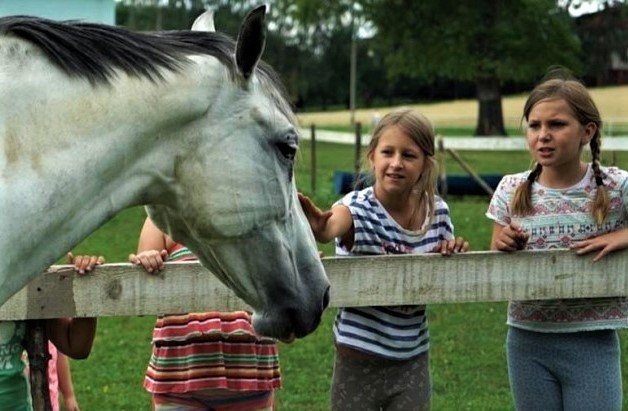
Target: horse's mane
[93, 51]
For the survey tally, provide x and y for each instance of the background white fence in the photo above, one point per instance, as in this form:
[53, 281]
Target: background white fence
[462, 143]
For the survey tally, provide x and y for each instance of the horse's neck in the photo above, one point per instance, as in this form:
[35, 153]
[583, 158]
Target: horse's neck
[84, 156]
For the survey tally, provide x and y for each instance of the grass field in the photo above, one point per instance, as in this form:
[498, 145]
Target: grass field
[467, 340]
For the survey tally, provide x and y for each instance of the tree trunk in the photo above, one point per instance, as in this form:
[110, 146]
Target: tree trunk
[490, 115]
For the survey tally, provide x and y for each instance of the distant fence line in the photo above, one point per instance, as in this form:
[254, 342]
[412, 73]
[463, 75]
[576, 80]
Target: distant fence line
[483, 276]
[612, 125]
[461, 143]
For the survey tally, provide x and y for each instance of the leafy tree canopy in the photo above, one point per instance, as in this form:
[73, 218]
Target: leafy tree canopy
[512, 40]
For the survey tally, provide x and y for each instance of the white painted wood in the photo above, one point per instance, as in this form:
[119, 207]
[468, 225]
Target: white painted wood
[517, 143]
[126, 290]
[463, 143]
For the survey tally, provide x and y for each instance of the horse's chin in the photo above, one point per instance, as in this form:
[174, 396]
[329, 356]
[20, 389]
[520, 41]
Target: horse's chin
[282, 327]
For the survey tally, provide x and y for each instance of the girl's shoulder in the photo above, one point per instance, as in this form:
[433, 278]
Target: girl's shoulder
[510, 182]
[357, 197]
[615, 176]
[440, 204]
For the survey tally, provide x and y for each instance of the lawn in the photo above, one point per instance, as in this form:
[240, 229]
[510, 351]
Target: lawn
[467, 340]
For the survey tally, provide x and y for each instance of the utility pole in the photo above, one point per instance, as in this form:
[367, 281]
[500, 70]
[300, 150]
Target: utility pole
[353, 66]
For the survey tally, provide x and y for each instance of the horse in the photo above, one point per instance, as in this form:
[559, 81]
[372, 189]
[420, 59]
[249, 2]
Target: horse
[191, 124]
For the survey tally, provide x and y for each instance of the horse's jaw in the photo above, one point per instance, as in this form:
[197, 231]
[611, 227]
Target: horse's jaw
[273, 267]
[289, 290]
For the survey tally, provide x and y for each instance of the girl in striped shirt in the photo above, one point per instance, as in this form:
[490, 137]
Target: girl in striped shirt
[382, 352]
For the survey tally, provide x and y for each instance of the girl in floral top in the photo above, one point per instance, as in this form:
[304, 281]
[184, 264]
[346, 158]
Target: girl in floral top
[563, 354]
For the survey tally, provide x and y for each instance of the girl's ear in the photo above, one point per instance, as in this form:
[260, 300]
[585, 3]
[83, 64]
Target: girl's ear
[589, 131]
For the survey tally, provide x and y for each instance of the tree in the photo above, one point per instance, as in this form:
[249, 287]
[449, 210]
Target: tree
[324, 39]
[487, 42]
[604, 36]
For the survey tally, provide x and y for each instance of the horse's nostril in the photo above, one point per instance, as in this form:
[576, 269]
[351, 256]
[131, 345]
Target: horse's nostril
[326, 298]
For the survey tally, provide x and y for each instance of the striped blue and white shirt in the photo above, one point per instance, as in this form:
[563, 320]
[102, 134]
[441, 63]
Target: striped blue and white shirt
[398, 332]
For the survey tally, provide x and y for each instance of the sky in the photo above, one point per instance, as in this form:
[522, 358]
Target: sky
[587, 6]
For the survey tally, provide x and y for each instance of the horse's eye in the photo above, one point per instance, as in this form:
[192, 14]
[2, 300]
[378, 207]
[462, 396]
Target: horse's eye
[287, 150]
[287, 143]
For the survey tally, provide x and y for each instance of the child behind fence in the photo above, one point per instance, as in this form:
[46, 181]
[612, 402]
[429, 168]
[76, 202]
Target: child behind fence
[563, 354]
[381, 358]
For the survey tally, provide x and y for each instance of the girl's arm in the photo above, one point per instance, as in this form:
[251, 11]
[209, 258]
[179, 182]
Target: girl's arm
[65, 383]
[327, 225]
[607, 243]
[72, 336]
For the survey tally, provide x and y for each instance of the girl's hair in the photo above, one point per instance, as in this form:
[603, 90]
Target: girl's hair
[574, 93]
[419, 129]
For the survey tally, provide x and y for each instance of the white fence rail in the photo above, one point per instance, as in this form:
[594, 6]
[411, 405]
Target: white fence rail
[126, 290]
[462, 143]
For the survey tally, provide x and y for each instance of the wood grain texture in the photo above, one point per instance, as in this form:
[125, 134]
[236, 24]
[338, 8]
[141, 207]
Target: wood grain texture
[126, 290]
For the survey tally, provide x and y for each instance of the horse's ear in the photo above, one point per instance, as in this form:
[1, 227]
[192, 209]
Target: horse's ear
[204, 22]
[251, 40]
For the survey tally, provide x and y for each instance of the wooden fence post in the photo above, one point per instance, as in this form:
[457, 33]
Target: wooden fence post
[38, 357]
[442, 175]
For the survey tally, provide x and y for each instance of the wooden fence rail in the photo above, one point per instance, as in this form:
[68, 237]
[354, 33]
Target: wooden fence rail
[126, 290]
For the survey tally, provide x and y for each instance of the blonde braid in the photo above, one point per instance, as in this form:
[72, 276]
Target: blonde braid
[601, 201]
[522, 198]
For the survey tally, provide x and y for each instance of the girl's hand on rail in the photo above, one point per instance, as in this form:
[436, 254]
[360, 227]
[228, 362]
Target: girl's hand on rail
[455, 245]
[605, 244]
[151, 260]
[83, 264]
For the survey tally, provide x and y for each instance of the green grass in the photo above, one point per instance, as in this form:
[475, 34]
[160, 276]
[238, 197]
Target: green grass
[467, 340]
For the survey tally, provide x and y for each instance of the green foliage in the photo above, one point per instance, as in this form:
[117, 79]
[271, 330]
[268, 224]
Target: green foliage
[486, 42]
[514, 40]
[150, 15]
[601, 36]
[430, 49]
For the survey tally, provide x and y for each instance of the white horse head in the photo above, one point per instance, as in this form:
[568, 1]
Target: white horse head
[94, 119]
